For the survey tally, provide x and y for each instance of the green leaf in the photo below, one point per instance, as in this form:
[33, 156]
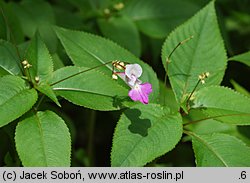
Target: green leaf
[91, 89]
[22, 49]
[87, 50]
[243, 58]
[223, 104]
[197, 122]
[220, 150]
[57, 61]
[200, 124]
[204, 53]
[16, 98]
[123, 31]
[239, 88]
[48, 91]
[167, 97]
[209, 126]
[38, 56]
[43, 139]
[37, 16]
[9, 61]
[158, 18]
[144, 133]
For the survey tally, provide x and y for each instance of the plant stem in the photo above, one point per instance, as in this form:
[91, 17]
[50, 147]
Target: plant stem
[39, 102]
[189, 97]
[188, 133]
[79, 73]
[165, 79]
[27, 72]
[91, 129]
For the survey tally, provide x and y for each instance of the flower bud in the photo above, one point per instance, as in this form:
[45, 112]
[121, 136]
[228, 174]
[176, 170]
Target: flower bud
[114, 76]
[25, 62]
[37, 79]
[118, 6]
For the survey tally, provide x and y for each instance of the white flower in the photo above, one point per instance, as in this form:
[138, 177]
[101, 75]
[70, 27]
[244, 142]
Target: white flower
[132, 72]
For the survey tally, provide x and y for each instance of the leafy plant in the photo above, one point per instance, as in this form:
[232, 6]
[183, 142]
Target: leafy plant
[196, 108]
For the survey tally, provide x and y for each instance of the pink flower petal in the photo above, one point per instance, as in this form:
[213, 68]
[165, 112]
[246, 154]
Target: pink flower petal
[146, 88]
[141, 92]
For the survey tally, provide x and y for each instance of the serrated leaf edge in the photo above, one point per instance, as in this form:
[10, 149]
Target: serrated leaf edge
[226, 88]
[37, 37]
[213, 134]
[115, 130]
[183, 25]
[39, 126]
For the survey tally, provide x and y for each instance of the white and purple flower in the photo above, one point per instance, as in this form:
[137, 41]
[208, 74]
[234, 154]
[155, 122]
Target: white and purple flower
[139, 91]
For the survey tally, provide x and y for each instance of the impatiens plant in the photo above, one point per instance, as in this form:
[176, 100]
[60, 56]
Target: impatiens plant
[157, 114]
